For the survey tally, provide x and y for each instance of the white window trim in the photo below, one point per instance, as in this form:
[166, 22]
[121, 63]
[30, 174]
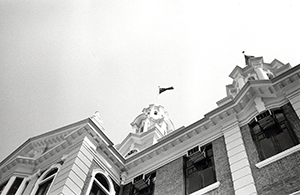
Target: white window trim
[38, 182]
[207, 188]
[295, 193]
[105, 174]
[278, 156]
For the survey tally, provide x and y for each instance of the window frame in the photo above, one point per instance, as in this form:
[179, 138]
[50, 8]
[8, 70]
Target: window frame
[110, 191]
[149, 190]
[208, 158]
[274, 113]
[41, 180]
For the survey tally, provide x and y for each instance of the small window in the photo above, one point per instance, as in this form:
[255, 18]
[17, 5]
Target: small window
[131, 152]
[270, 75]
[271, 133]
[200, 174]
[251, 78]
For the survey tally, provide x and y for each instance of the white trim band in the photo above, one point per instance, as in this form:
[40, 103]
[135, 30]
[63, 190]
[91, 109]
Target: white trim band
[207, 188]
[278, 156]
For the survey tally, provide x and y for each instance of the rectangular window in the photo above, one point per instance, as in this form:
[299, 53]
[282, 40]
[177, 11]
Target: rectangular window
[13, 189]
[271, 133]
[200, 174]
[148, 188]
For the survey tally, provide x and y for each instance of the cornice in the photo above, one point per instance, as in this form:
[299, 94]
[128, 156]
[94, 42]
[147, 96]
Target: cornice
[252, 89]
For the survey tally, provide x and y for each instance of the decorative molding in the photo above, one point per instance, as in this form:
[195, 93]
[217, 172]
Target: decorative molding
[278, 156]
[207, 189]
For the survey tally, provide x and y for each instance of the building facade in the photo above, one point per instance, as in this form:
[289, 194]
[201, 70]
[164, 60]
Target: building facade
[249, 144]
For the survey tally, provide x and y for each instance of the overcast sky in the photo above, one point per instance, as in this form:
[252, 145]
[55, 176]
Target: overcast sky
[62, 60]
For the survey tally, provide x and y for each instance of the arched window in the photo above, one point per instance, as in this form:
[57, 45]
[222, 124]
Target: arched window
[272, 133]
[45, 181]
[101, 184]
[131, 152]
[270, 75]
[251, 78]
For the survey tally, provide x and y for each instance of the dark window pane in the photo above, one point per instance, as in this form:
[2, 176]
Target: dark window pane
[267, 147]
[102, 180]
[200, 174]
[284, 139]
[44, 187]
[52, 172]
[15, 186]
[208, 176]
[96, 190]
[195, 182]
[273, 135]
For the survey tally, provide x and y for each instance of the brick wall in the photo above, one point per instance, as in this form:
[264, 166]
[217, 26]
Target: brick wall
[280, 177]
[127, 189]
[170, 178]
[222, 168]
[292, 118]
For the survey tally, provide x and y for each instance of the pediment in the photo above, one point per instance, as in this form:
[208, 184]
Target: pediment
[36, 146]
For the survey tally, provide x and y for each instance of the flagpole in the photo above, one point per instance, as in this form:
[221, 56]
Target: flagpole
[156, 102]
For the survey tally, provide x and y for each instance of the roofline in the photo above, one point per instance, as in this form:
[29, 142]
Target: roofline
[40, 136]
[207, 116]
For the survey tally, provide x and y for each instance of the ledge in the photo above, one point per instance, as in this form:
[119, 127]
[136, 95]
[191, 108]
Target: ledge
[278, 156]
[207, 188]
[295, 193]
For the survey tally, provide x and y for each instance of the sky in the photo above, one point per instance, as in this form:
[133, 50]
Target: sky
[63, 60]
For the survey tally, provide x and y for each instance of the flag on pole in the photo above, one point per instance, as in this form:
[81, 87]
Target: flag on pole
[164, 89]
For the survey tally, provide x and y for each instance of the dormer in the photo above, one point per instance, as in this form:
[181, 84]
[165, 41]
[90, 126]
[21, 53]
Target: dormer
[256, 69]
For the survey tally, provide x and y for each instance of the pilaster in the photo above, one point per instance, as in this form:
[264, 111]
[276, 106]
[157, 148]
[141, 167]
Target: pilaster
[242, 178]
[73, 173]
[294, 99]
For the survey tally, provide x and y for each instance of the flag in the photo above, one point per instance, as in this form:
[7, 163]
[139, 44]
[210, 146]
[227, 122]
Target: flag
[165, 89]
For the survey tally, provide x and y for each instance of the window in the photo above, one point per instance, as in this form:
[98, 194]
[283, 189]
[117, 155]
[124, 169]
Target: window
[15, 185]
[270, 75]
[144, 185]
[101, 184]
[251, 78]
[43, 184]
[200, 171]
[13, 189]
[2, 186]
[271, 133]
[131, 152]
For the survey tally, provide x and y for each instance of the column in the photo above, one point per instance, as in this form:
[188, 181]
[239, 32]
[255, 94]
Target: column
[242, 178]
